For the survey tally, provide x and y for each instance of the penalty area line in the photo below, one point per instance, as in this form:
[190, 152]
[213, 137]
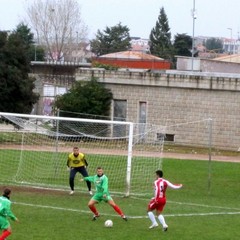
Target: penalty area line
[131, 217]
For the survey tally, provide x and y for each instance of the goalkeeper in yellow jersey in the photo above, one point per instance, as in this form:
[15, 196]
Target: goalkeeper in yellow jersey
[77, 163]
[102, 194]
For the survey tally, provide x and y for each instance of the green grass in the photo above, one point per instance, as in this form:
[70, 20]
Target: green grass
[193, 212]
[48, 169]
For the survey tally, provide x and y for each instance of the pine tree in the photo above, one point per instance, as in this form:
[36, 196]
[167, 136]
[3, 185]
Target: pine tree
[112, 39]
[160, 37]
[16, 87]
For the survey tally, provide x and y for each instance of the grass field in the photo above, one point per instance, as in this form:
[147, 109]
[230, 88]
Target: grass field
[198, 211]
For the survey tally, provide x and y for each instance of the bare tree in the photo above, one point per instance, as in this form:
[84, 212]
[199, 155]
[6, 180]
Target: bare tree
[58, 26]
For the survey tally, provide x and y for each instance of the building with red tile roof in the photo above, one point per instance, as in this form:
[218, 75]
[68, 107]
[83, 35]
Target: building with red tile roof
[133, 59]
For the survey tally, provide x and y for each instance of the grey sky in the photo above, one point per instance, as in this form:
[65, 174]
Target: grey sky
[214, 17]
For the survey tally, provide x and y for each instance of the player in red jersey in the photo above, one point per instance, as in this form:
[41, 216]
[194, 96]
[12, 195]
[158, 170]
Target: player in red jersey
[159, 200]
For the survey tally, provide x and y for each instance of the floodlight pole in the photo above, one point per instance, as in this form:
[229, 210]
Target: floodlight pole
[194, 16]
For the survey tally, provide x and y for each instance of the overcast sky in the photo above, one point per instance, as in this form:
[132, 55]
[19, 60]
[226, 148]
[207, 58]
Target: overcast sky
[214, 17]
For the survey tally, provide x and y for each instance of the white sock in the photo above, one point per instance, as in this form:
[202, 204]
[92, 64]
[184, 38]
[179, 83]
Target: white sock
[162, 220]
[152, 217]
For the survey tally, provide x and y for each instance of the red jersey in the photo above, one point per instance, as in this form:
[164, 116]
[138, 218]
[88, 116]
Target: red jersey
[159, 200]
[160, 186]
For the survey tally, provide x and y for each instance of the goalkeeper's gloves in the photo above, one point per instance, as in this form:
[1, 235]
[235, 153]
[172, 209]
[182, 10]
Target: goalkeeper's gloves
[68, 168]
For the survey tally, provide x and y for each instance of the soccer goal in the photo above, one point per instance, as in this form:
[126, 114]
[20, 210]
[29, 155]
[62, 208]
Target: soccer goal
[34, 150]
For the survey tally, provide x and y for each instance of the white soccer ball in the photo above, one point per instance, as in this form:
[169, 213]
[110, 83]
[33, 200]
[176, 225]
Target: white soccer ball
[108, 223]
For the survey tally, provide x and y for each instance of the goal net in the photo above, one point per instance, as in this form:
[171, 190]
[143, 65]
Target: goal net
[34, 150]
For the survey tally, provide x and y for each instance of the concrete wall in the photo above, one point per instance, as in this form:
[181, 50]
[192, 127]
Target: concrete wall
[176, 97]
[207, 65]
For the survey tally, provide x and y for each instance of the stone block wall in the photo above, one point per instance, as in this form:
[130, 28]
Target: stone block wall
[184, 102]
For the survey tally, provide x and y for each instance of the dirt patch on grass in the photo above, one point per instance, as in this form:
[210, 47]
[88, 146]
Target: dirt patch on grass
[176, 155]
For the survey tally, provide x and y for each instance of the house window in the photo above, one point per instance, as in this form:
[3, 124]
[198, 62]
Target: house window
[120, 110]
[142, 119]
[142, 112]
[119, 114]
[167, 137]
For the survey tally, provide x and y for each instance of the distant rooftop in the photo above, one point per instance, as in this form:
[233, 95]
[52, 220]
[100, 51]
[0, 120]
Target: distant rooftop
[229, 58]
[131, 55]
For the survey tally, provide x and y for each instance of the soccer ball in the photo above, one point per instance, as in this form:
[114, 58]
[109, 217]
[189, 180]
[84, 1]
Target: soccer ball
[108, 223]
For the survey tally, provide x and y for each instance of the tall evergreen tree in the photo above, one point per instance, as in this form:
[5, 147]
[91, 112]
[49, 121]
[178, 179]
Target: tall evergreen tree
[16, 87]
[35, 52]
[160, 37]
[112, 39]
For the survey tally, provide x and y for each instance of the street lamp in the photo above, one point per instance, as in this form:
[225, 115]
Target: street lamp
[194, 16]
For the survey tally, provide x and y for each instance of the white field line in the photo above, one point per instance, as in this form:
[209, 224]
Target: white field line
[203, 205]
[132, 217]
[193, 204]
